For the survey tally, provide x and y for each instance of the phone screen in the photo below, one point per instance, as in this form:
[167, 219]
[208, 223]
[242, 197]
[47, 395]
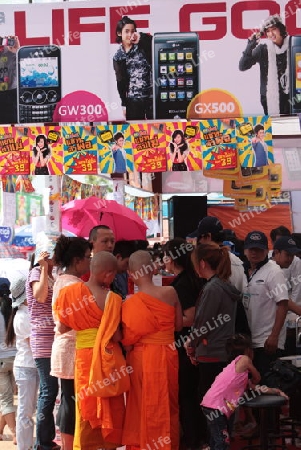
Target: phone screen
[298, 72]
[176, 72]
[39, 72]
[295, 74]
[39, 83]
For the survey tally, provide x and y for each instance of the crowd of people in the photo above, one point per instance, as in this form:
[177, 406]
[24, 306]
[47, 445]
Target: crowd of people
[151, 367]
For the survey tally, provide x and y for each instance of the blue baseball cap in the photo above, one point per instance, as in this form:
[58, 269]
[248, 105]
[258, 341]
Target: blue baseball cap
[286, 243]
[256, 239]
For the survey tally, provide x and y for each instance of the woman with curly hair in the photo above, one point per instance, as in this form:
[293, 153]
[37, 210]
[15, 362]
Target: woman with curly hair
[72, 255]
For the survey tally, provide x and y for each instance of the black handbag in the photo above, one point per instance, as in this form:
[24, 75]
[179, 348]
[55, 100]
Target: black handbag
[283, 375]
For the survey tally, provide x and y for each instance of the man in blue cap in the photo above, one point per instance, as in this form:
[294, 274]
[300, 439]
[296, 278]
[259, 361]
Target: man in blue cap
[284, 254]
[266, 305]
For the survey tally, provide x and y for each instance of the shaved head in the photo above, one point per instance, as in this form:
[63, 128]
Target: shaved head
[103, 261]
[139, 260]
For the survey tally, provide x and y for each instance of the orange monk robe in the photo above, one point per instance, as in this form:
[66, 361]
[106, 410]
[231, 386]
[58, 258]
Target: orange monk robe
[152, 413]
[99, 421]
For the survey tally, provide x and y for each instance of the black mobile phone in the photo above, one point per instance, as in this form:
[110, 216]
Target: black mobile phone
[8, 41]
[39, 82]
[175, 72]
[295, 74]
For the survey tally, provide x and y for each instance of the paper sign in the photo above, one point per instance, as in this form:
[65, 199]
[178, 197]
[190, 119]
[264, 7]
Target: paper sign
[183, 146]
[149, 148]
[254, 141]
[115, 149]
[45, 243]
[14, 152]
[80, 150]
[219, 146]
[46, 150]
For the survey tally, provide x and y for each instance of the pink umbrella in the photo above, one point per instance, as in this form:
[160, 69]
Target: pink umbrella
[79, 216]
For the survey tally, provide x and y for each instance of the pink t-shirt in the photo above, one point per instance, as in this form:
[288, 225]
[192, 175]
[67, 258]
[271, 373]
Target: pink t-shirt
[40, 314]
[226, 389]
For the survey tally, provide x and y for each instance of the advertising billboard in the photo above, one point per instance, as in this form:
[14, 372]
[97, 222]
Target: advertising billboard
[101, 61]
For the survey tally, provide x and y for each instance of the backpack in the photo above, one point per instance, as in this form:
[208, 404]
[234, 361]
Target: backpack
[283, 375]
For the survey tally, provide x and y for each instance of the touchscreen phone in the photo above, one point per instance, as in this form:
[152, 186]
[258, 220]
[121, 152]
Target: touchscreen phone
[176, 73]
[39, 82]
[295, 73]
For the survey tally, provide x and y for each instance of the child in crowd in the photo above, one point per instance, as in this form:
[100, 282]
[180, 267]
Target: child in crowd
[25, 371]
[228, 389]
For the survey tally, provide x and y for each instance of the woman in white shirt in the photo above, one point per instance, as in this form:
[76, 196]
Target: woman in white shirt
[25, 371]
[7, 355]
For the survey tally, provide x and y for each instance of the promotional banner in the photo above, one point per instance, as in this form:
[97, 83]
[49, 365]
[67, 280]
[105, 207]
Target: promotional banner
[14, 152]
[115, 149]
[46, 146]
[105, 61]
[219, 144]
[254, 141]
[80, 150]
[149, 147]
[183, 146]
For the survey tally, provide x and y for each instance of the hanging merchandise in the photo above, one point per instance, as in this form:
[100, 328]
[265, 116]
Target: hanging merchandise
[70, 189]
[27, 206]
[23, 184]
[250, 192]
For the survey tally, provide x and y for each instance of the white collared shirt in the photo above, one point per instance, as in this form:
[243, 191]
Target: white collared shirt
[266, 288]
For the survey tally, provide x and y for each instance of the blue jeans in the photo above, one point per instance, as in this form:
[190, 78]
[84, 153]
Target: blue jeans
[27, 380]
[218, 427]
[46, 400]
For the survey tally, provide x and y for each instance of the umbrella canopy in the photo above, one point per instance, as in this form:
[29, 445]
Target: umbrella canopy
[23, 236]
[11, 268]
[79, 216]
[8, 251]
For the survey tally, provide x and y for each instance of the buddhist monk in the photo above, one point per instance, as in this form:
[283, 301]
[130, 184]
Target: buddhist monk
[149, 320]
[95, 313]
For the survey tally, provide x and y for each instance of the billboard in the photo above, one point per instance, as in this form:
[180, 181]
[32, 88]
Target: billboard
[100, 61]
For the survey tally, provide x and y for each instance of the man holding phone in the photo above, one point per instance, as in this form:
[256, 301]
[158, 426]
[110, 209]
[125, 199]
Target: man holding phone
[133, 70]
[272, 57]
[8, 79]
